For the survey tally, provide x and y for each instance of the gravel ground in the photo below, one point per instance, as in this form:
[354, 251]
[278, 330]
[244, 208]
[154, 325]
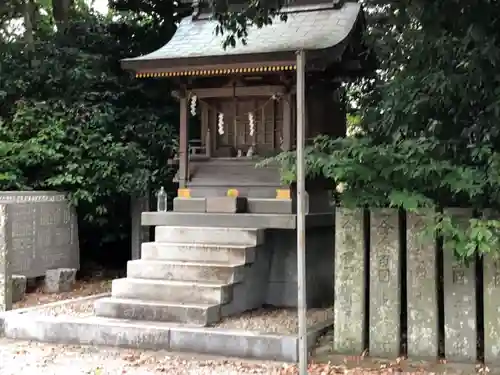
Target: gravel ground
[273, 320]
[77, 309]
[29, 358]
[82, 288]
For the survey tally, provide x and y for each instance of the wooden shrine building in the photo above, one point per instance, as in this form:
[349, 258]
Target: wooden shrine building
[229, 245]
[237, 105]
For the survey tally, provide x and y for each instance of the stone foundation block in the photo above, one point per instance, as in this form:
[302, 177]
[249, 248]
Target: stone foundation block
[18, 287]
[269, 206]
[59, 280]
[227, 205]
[190, 204]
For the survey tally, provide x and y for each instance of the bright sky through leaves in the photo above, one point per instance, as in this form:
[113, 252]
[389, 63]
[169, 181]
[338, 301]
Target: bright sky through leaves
[100, 5]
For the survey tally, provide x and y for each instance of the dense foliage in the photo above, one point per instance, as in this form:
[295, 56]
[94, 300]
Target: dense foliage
[429, 133]
[412, 174]
[425, 121]
[71, 120]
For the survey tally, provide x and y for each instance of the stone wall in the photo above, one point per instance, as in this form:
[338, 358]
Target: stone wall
[42, 232]
[398, 292]
[282, 282]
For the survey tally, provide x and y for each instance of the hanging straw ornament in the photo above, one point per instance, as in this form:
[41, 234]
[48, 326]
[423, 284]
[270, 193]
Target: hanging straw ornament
[251, 122]
[220, 123]
[193, 105]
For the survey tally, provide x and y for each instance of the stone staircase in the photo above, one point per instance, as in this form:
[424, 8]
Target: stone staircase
[186, 276]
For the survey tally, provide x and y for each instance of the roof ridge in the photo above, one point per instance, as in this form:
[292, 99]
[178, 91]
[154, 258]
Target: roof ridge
[289, 9]
[308, 8]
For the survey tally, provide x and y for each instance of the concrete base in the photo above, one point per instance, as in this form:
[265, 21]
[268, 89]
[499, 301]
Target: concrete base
[243, 220]
[190, 204]
[253, 205]
[227, 205]
[270, 206]
[28, 325]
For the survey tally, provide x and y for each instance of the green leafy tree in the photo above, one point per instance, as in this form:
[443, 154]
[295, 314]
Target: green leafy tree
[72, 120]
[429, 115]
[412, 174]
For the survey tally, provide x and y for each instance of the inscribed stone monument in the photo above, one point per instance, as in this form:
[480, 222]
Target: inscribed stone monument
[385, 283]
[459, 301]
[421, 287]
[44, 232]
[349, 327]
[5, 271]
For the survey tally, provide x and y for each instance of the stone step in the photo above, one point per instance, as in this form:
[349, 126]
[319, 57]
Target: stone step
[185, 271]
[172, 291]
[242, 220]
[209, 235]
[234, 254]
[159, 311]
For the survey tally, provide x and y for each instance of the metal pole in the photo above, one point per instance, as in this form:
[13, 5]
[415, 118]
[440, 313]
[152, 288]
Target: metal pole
[301, 218]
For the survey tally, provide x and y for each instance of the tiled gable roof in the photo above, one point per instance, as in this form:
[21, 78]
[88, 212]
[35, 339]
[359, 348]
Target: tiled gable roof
[311, 28]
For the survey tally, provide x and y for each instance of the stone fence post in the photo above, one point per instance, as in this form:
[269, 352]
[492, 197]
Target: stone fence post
[421, 287]
[385, 283]
[491, 301]
[350, 292]
[459, 288]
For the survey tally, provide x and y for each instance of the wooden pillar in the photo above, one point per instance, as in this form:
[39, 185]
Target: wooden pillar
[287, 122]
[183, 142]
[206, 135]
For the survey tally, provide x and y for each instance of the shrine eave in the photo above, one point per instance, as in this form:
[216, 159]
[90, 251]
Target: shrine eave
[214, 65]
[195, 50]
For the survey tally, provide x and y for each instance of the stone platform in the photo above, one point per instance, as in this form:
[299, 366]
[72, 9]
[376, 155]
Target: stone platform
[36, 324]
[203, 267]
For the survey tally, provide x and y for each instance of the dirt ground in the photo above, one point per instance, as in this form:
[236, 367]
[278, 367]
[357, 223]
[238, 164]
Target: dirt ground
[35, 295]
[32, 358]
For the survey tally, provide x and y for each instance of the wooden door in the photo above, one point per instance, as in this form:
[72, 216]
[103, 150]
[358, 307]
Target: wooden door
[268, 119]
